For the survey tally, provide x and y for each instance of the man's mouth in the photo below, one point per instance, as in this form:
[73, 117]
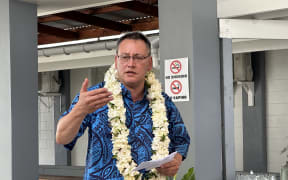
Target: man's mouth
[130, 72]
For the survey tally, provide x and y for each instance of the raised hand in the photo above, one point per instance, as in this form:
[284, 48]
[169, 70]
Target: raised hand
[90, 101]
[171, 168]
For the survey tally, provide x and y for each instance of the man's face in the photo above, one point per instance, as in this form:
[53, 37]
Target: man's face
[132, 62]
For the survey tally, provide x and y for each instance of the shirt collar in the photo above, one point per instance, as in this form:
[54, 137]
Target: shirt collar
[127, 93]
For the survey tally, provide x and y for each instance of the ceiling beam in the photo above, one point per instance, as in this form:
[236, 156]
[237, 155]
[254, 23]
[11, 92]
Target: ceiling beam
[49, 19]
[236, 8]
[259, 45]
[91, 11]
[272, 15]
[96, 21]
[149, 1]
[57, 32]
[146, 8]
[103, 10]
[144, 25]
[152, 24]
[140, 7]
[93, 32]
[48, 39]
[253, 29]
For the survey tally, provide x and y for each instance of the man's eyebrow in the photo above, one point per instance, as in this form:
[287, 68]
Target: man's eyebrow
[124, 53]
[136, 54]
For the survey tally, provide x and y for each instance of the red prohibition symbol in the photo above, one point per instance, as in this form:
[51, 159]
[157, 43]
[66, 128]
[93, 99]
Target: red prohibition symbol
[176, 87]
[175, 66]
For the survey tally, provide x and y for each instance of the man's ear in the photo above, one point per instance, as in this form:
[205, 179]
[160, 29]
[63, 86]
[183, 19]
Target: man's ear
[150, 66]
[115, 61]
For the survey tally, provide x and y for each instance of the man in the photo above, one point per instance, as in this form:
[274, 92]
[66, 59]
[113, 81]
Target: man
[89, 109]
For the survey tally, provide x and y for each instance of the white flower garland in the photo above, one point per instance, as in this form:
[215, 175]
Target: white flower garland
[116, 116]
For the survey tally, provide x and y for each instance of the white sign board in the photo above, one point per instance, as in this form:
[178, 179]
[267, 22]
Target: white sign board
[177, 79]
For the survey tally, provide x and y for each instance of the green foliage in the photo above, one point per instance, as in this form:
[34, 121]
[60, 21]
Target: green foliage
[163, 138]
[190, 175]
[147, 85]
[137, 176]
[112, 105]
[150, 175]
[116, 117]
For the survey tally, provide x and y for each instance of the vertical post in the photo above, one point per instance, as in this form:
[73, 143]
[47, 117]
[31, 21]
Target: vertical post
[228, 145]
[62, 155]
[189, 28]
[254, 120]
[18, 91]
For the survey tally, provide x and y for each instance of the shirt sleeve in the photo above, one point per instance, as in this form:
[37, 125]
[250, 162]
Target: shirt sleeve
[83, 126]
[86, 121]
[179, 137]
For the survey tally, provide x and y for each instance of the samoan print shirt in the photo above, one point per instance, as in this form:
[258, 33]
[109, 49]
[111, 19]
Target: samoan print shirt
[99, 162]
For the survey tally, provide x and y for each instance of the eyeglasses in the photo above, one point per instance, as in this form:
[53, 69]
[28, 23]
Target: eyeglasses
[136, 58]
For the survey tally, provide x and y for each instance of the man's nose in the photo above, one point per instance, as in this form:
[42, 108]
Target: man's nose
[131, 62]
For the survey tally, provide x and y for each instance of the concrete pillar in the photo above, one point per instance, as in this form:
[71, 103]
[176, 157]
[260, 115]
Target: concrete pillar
[189, 28]
[228, 129]
[18, 91]
[254, 120]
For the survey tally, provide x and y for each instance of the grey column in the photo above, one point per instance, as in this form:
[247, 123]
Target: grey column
[189, 28]
[228, 128]
[18, 91]
[254, 120]
[62, 155]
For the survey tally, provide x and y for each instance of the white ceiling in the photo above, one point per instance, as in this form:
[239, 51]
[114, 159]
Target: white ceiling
[46, 7]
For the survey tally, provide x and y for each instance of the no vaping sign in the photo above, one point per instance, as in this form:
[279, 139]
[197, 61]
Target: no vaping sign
[176, 79]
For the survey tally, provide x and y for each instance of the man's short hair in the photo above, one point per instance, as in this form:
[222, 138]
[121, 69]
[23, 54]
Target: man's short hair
[135, 36]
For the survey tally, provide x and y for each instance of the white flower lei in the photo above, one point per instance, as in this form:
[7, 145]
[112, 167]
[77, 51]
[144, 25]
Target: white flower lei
[116, 116]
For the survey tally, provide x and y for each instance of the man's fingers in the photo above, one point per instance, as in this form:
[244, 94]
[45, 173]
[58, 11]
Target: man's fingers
[175, 162]
[169, 164]
[171, 168]
[99, 97]
[102, 101]
[84, 85]
[100, 105]
[168, 171]
[98, 91]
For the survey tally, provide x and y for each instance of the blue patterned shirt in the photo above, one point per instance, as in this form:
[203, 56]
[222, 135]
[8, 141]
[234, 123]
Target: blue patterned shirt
[99, 161]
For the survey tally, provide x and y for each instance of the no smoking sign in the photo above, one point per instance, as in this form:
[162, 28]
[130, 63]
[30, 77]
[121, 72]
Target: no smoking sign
[175, 66]
[176, 79]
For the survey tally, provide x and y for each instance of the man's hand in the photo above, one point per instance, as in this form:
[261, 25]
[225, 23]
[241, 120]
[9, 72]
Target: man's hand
[171, 168]
[90, 101]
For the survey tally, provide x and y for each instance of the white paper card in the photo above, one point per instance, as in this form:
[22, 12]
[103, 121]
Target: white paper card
[147, 165]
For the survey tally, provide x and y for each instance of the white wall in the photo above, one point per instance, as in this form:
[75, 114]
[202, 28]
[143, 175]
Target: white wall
[46, 119]
[78, 154]
[277, 112]
[277, 107]
[46, 130]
